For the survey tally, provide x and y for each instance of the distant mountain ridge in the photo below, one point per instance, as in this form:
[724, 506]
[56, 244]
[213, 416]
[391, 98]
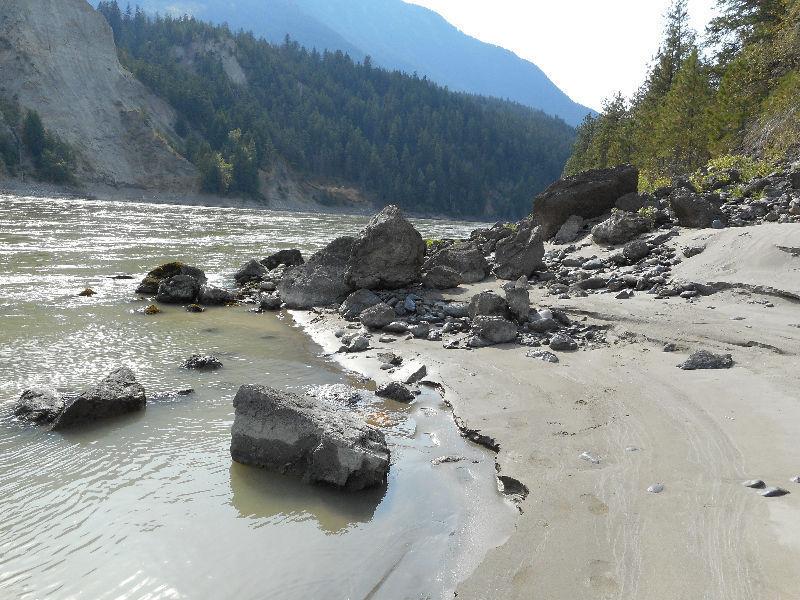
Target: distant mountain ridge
[396, 35]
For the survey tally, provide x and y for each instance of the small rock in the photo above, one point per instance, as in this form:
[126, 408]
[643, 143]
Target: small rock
[40, 405]
[421, 330]
[773, 492]
[656, 488]
[396, 327]
[717, 224]
[542, 355]
[624, 295]
[754, 483]
[195, 308]
[395, 390]
[589, 458]
[377, 316]
[202, 363]
[703, 359]
[87, 293]
[151, 310]
[269, 302]
[446, 459]
[795, 479]
[561, 342]
[358, 344]
[670, 347]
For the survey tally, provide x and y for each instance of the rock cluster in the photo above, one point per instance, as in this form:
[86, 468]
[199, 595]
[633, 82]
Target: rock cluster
[179, 283]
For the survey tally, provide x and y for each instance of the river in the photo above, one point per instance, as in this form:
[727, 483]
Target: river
[150, 506]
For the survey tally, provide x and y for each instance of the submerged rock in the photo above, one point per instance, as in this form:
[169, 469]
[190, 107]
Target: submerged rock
[178, 290]
[153, 279]
[320, 281]
[703, 359]
[202, 362]
[118, 393]
[388, 254]
[292, 435]
[40, 405]
[395, 390]
[252, 270]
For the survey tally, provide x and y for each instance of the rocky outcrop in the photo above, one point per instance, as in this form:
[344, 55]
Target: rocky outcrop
[619, 228]
[388, 254]
[117, 394]
[154, 278]
[693, 210]
[298, 436]
[587, 195]
[58, 58]
[40, 405]
[521, 253]
[464, 258]
[321, 280]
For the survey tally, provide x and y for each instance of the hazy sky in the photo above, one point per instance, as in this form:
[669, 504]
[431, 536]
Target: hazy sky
[589, 48]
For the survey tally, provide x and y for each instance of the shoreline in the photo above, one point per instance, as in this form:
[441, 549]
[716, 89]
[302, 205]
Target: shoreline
[591, 530]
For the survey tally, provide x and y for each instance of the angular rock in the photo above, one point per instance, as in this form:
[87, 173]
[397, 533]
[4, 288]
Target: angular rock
[202, 362]
[619, 228]
[518, 300]
[320, 281]
[213, 296]
[587, 195]
[180, 289]
[358, 302]
[692, 210]
[377, 316]
[542, 321]
[703, 359]
[542, 355]
[630, 202]
[388, 254]
[118, 393]
[636, 250]
[420, 330]
[40, 405]
[297, 436]
[395, 390]
[153, 279]
[521, 253]
[487, 304]
[290, 258]
[269, 302]
[569, 231]
[494, 330]
[396, 327]
[561, 342]
[440, 277]
[463, 258]
[252, 270]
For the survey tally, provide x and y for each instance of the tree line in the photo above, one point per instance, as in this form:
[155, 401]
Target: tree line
[734, 92]
[397, 136]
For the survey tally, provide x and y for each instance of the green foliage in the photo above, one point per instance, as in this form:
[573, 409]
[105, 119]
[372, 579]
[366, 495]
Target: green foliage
[398, 137]
[33, 135]
[648, 213]
[649, 182]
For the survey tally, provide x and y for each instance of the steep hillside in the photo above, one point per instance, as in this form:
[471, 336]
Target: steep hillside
[57, 57]
[396, 35]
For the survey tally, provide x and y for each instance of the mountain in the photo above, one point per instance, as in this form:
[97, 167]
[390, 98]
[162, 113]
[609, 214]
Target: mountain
[396, 35]
[57, 57]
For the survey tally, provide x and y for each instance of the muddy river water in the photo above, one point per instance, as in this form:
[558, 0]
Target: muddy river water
[151, 506]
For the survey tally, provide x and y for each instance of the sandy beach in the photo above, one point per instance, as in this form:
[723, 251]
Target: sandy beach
[589, 528]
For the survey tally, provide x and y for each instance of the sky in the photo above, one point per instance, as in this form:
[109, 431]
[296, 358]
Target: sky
[589, 48]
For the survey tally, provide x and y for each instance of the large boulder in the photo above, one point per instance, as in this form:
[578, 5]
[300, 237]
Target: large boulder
[252, 270]
[620, 228]
[153, 279]
[587, 195]
[494, 330]
[180, 289]
[300, 436]
[519, 301]
[118, 393]
[357, 302]
[214, 296]
[441, 278]
[521, 253]
[388, 254]
[693, 210]
[40, 405]
[487, 304]
[378, 316]
[320, 281]
[465, 258]
[289, 258]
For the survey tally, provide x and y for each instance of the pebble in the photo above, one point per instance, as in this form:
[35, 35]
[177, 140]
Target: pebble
[589, 458]
[656, 488]
[754, 483]
[543, 355]
[773, 492]
[795, 479]
[631, 449]
[446, 459]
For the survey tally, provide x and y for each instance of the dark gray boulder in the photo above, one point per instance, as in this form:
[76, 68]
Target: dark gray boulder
[636, 250]
[588, 195]
[396, 391]
[619, 228]
[465, 258]
[693, 210]
[320, 281]
[213, 296]
[153, 279]
[630, 202]
[290, 258]
[388, 254]
[117, 394]
[521, 253]
[202, 362]
[40, 405]
[298, 436]
[441, 277]
[494, 330]
[180, 289]
[252, 270]
[703, 359]
[486, 239]
[358, 302]
[377, 316]
[570, 230]
[487, 304]
[269, 301]
[561, 342]
[518, 299]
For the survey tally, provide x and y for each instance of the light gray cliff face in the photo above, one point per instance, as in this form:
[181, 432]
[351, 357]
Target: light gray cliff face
[58, 57]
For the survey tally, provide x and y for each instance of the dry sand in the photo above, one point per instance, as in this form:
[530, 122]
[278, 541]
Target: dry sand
[592, 530]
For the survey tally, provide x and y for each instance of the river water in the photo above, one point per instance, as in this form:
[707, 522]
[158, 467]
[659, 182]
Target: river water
[151, 506]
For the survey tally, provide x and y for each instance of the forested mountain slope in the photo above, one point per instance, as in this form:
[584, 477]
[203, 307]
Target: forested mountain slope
[397, 35]
[246, 105]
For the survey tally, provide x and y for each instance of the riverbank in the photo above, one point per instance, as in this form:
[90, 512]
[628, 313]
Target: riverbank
[589, 528]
